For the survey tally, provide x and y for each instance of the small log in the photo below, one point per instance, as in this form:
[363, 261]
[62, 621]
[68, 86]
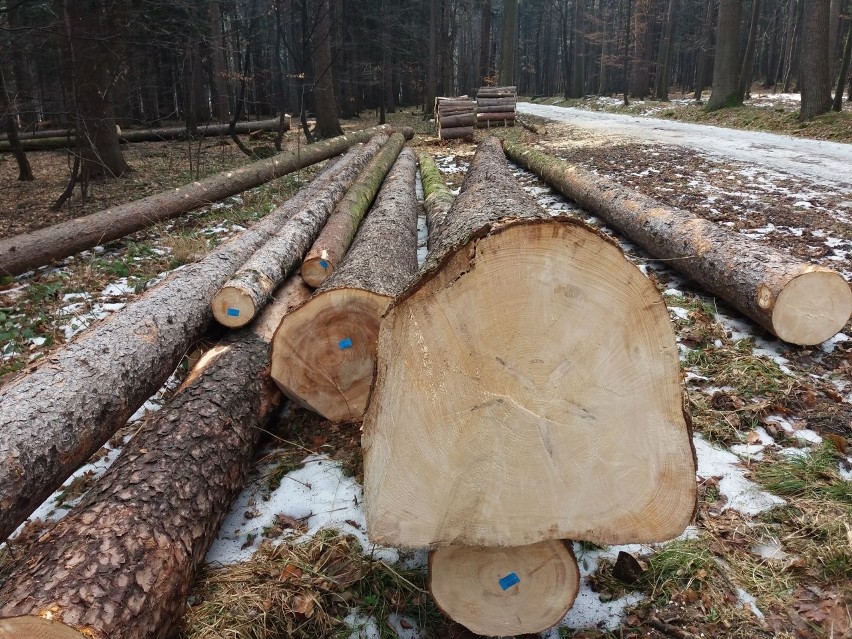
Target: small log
[501, 592]
[243, 296]
[59, 413]
[491, 102]
[120, 564]
[330, 247]
[21, 253]
[465, 110]
[437, 196]
[509, 90]
[528, 357]
[324, 353]
[494, 109]
[463, 119]
[799, 302]
[538, 129]
[456, 133]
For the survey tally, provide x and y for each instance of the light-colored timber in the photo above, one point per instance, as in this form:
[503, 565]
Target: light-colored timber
[437, 196]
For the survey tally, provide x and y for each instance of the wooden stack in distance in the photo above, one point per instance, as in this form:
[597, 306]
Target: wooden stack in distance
[455, 117]
[496, 106]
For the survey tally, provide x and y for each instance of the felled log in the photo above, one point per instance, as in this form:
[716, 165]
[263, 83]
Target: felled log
[456, 133]
[334, 240]
[495, 119]
[494, 109]
[501, 592]
[492, 102]
[120, 564]
[58, 139]
[538, 129]
[799, 302]
[324, 353]
[56, 416]
[528, 357]
[464, 119]
[31, 250]
[497, 92]
[437, 197]
[243, 296]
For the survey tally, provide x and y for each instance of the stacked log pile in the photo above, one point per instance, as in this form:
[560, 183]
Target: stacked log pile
[495, 106]
[527, 391]
[455, 117]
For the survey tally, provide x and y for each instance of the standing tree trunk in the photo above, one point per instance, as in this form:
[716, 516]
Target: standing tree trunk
[814, 78]
[661, 83]
[833, 27]
[220, 71]
[704, 50]
[485, 44]
[748, 59]
[509, 42]
[325, 105]
[432, 63]
[844, 72]
[578, 60]
[8, 113]
[640, 85]
[726, 83]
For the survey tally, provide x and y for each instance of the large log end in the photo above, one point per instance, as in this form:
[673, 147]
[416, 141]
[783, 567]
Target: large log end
[36, 628]
[811, 308]
[501, 592]
[233, 307]
[316, 269]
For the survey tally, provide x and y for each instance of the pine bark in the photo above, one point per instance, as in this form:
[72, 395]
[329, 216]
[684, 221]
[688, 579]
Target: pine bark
[324, 353]
[509, 42]
[748, 58]
[325, 104]
[58, 414]
[437, 196]
[25, 172]
[814, 78]
[456, 133]
[24, 252]
[487, 387]
[799, 302]
[120, 564]
[334, 240]
[837, 104]
[245, 294]
[726, 83]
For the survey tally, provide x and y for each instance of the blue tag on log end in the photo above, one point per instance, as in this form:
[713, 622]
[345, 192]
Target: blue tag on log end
[323, 263]
[233, 312]
[345, 343]
[509, 580]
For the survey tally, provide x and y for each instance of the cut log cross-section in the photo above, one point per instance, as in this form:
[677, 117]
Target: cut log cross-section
[527, 387]
[243, 296]
[120, 564]
[500, 592]
[437, 196]
[799, 302]
[21, 253]
[334, 240]
[58, 415]
[324, 353]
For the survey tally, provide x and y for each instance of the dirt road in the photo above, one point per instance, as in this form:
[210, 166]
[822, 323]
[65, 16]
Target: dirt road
[827, 163]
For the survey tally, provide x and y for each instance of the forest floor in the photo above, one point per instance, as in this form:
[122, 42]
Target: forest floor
[770, 551]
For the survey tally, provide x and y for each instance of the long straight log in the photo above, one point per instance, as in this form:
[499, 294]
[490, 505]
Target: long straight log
[120, 564]
[799, 302]
[503, 592]
[334, 240]
[324, 353]
[437, 196]
[58, 415]
[243, 296]
[442, 113]
[494, 109]
[456, 132]
[507, 116]
[528, 357]
[490, 102]
[21, 253]
[450, 121]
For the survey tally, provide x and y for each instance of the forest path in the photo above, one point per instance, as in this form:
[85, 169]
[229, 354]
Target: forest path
[827, 163]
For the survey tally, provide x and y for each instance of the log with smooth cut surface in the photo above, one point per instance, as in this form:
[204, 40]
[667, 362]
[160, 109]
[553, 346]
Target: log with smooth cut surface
[58, 415]
[334, 240]
[21, 253]
[120, 564]
[503, 592]
[243, 296]
[527, 387]
[437, 196]
[324, 353]
[801, 303]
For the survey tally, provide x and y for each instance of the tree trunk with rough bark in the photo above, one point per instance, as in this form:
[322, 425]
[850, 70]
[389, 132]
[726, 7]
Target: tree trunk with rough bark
[661, 81]
[120, 564]
[245, 294]
[220, 70]
[726, 82]
[799, 302]
[509, 42]
[21, 253]
[58, 414]
[837, 104]
[324, 353]
[485, 66]
[334, 240]
[25, 172]
[325, 104]
[502, 592]
[748, 58]
[437, 196]
[814, 78]
[640, 83]
[501, 369]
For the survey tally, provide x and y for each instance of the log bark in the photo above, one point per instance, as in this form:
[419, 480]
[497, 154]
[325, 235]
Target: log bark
[538, 129]
[324, 353]
[490, 102]
[57, 139]
[58, 414]
[24, 252]
[243, 296]
[494, 109]
[456, 133]
[437, 196]
[799, 302]
[502, 592]
[463, 119]
[120, 564]
[334, 240]
[499, 92]
[528, 357]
